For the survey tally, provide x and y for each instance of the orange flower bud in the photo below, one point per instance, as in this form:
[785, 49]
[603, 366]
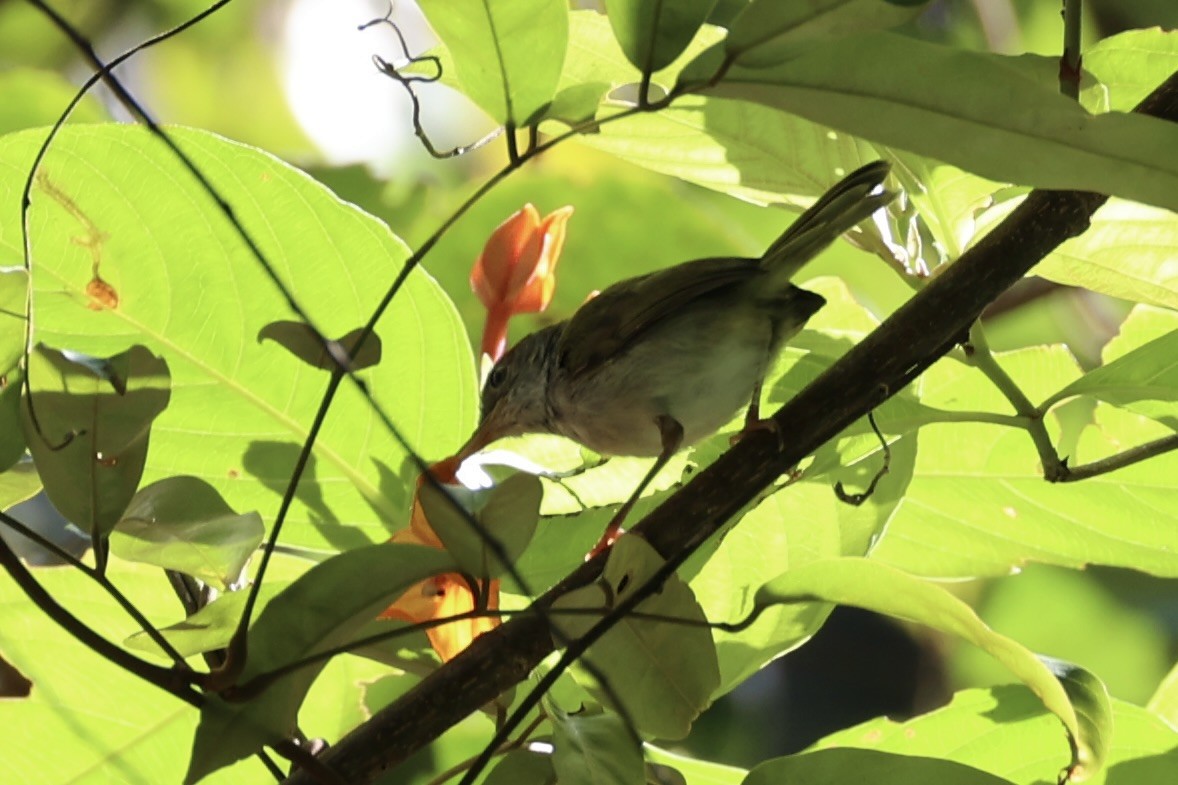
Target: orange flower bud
[516, 272]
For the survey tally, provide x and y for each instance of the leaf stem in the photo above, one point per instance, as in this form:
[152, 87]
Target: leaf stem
[1119, 461]
[978, 354]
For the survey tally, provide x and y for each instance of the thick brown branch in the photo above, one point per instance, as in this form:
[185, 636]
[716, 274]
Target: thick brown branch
[882, 364]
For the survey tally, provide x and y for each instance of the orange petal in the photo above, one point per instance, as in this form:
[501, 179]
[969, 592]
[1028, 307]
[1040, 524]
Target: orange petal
[542, 253]
[493, 272]
[441, 597]
[450, 639]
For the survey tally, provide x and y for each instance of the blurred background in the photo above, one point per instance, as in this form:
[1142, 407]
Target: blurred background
[296, 78]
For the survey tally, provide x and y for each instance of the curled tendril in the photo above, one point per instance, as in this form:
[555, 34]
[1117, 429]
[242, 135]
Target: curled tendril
[393, 70]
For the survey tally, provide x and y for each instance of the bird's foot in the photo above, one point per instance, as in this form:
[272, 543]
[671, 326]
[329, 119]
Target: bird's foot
[758, 424]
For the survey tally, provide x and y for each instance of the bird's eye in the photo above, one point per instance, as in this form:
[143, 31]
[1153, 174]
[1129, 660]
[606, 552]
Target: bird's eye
[496, 376]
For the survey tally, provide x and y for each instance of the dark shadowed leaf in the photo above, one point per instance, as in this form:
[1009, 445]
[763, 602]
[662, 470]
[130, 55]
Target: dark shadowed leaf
[768, 31]
[12, 436]
[654, 32]
[663, 672]
[300, 340]
[183, 524]
[595, 749]
[836, 767]
[507, 513]
[90, 431]
[522, 767]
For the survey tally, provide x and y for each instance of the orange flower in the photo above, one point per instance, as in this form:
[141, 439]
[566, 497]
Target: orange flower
[516, 272]
[442, 595]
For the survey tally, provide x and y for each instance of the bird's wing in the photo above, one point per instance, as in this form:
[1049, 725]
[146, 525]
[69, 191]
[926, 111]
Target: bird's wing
[606, 325]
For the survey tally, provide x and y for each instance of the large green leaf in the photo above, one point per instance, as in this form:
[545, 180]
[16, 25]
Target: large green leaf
[322, 609]
[595, 748]
[969, 109]
[88, 424]
[1127, 252]
[1132, 63]
[867, 584]
[182, 523]
[1164, 702]
[188, 289]
[653, 33]
[986, 509]
[507, 53]
[664, 673]
[768, 31]
[1143, 379]
[1005, 732]
[86, 720]
[696, 771]
[837, 766]
[17, 484]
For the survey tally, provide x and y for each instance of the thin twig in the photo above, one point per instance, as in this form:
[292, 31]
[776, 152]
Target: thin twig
[1119, 461]
[1071, 61]
[978, 354]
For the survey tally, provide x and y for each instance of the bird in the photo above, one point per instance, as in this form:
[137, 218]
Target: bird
[655, 363]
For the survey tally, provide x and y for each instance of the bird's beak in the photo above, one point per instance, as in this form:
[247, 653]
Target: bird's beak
[476, 442]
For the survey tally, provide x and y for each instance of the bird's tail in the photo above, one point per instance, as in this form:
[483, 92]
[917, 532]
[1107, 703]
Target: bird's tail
[851, 200]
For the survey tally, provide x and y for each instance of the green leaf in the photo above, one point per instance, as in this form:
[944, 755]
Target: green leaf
[86, 717]
[876, 587]
[768, 31]
[664, 673]
[986, 510]
[653, 33]
[507, 513]
[1073, 615]
[522, 767]
[208, 629]
[1005, 732]
[239, 410]
[1094, 711]
[507, 53]
[1164, 702]
[88, 426]
[835, 767]
[595, 749]
[1127, 252]
[1131, 64]
[322, 609]
[18, 484]
[968, 109]
[14, 283]
[12, 437]
[1144, 380]
[696, 771]
[183, 524]
[300, 340]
